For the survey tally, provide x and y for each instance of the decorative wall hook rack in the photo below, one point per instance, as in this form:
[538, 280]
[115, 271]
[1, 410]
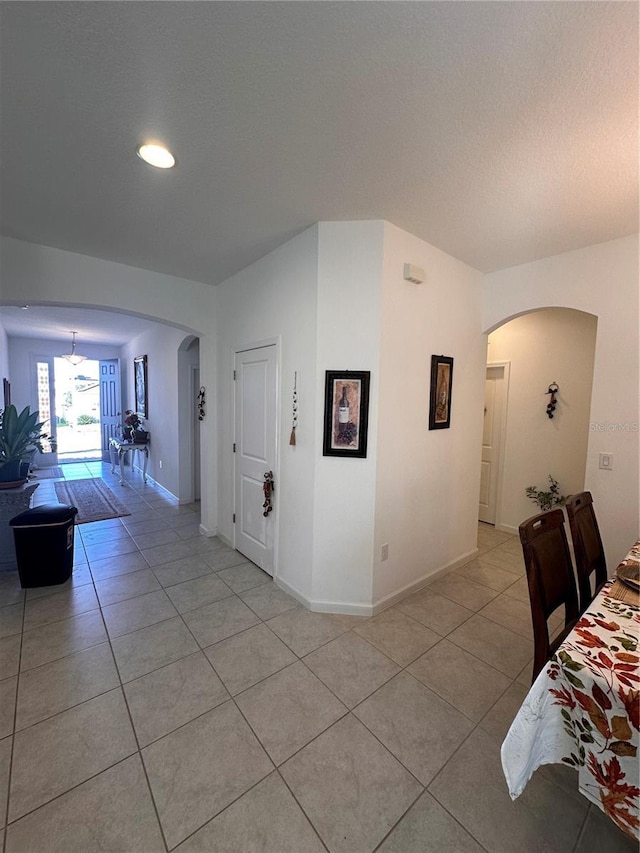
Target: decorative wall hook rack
[551, 406]
[201, 403]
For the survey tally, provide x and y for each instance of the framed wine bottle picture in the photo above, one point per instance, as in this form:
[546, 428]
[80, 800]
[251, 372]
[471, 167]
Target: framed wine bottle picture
[440, 399]
[346, 413]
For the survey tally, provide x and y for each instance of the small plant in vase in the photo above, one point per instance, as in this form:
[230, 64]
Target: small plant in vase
[546, 500]
[132, 429]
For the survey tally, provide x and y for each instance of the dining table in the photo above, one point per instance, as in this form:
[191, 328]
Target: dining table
[583, 710]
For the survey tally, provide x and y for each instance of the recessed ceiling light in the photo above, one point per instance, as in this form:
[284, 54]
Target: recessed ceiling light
[156, 155]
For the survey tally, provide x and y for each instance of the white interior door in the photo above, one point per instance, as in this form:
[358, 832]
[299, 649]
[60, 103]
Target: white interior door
[110, 402]
[255, 453]
[492, 437]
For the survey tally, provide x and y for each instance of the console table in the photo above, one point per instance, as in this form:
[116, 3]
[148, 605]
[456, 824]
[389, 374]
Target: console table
[12, 503]
[118, 447]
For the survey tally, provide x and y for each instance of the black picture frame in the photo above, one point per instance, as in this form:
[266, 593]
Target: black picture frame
[140, 385]
[346, 433]
[440, 396]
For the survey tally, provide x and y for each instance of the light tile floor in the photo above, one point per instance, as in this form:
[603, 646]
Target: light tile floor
[170, 697]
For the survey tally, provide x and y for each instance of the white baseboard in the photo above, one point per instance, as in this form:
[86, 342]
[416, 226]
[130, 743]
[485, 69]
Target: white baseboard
[507, 528]
[416, 586]
[324, 606]
[204, 531]
[223, 538]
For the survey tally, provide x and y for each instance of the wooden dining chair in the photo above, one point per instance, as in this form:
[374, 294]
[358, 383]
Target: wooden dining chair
[551, 581]
[587, 546]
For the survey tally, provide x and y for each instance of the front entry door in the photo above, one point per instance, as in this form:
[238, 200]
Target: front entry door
[255, 453]
[110, 418]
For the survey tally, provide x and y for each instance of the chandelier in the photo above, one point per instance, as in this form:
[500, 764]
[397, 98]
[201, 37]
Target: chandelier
[73, 357]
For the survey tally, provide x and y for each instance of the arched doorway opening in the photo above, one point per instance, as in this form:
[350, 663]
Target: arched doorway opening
[522, 445]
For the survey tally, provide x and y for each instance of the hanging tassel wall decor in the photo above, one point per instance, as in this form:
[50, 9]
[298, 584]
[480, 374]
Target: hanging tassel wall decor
[292, 437]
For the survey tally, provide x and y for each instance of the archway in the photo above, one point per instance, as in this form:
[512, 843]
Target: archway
[522, 445]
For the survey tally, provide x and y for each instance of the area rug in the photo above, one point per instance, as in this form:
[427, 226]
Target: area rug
[48, 473]
[93, 498]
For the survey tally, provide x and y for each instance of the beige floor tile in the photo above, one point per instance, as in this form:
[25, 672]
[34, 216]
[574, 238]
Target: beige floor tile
[209, 543]
[244, 577]
[473, 790]
[495, 645]
[246, 658]
[428, 828]
[58, 639]
[435, 612]
[459, 678]
[119, 588]
[145, 525]
[350, 787]
[189, 531]
[162, 554]
[266, 818]
[510, 613]
[219, 558]
[155, 538]
[304, 631]
[351, 668]
[172, 696]
[11, 619]
[601, 835]
[5, 765]
[398, 636]
[506, 560]
[418, 727]
[49, 758]
[122, 565]
[268, 601]
[122, 817]
[81, 576]
[60, 605]
[219, 620]
[9, 656]
[10, 590]
[139, 612]
[113, 548]
[463, 591]
[150, 648]
[8, 691]
[497, 721]
[484, 573]
[201, 768]
[101, 534]
[179, 571]
[61, 684]
[195, 593]
[288, 709]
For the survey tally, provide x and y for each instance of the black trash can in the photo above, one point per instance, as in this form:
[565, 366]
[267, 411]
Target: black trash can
[44, 544]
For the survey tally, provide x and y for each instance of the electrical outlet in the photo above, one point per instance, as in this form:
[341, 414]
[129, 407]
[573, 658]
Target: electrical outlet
[384, 552]
[160, 463]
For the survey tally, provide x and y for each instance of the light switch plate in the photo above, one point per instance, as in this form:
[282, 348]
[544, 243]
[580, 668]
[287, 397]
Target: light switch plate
[606, 461]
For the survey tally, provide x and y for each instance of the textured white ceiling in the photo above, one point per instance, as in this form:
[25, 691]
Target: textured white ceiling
[500, 132]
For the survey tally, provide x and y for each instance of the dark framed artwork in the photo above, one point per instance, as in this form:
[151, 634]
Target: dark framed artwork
[346, 413]
[6, 390]
[440, 397]
[140, 385]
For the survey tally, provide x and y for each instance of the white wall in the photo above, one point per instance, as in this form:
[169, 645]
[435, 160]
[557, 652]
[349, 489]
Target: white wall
[275, 298]
[40, 275]
[428, 480]
[349, 276]
[160, 344]
[600, 280]
[555, 345]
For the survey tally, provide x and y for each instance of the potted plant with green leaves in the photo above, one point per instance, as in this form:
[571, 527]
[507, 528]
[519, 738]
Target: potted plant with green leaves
[20, 435]
[546, 500]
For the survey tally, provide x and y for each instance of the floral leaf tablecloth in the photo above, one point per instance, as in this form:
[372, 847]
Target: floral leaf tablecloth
[584, 710]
